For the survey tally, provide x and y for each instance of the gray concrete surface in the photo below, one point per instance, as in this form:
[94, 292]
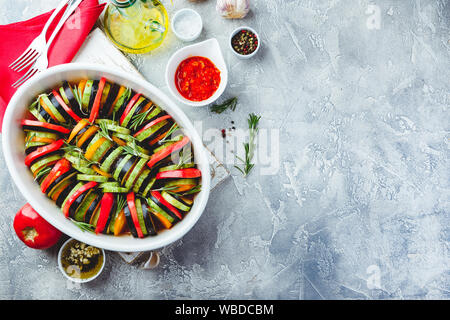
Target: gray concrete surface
[359, 94]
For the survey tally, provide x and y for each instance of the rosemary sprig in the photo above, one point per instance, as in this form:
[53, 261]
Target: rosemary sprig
[172, 129]
[184, 158]
[121, 201]
[168, 189]
[76, 94]
[29, 139]
[195, 189]
[249, 146]
[131, 148]
[138, 119]
[228, 104]
[84, 226]
[42, 173]
[74, 149]
[104, 132]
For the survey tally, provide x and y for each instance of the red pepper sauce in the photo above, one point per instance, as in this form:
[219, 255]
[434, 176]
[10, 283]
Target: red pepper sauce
[197, 78]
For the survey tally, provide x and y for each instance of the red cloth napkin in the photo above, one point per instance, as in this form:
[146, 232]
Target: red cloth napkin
[16, 37]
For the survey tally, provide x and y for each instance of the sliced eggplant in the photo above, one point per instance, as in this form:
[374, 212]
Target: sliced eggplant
[130, 223]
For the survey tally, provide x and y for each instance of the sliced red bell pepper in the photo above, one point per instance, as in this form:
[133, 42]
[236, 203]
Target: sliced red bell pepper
[77, 193]
[61, 167]
[152, 123]
[134, 215]
[65, 106]
[106, 206]
[43, 151]
[162, 154]
[98, 98]
[49, 126]
[129, 106]
[163, 201]
[188, 173]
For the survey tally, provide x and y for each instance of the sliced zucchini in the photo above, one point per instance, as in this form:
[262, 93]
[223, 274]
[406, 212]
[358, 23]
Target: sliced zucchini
[93, 177]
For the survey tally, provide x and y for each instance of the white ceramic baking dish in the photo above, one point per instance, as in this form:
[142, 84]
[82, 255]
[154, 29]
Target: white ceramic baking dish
[13, 150]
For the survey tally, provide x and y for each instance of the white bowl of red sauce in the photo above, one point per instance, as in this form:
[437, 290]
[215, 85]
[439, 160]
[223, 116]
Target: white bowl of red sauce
[197, 75]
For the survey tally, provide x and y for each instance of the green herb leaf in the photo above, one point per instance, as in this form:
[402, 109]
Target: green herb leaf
[249, 147]
[84, 226]
[42, 173]
[172, 129]
[168, 189]
[196, 189]
[29, 139]
[76, 94]
[138, 119]
[228, 104]
[121, 202]
[104, 132]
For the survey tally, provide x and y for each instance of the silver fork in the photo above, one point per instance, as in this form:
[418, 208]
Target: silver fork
[36, 47]
[42, 62]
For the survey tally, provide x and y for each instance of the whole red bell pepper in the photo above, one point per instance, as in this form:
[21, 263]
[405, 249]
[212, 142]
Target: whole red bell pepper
[189, 173]
[106, 207]
[49, 126]
[98, 98]
[77, 193]
[129, 106]
[152, 123]
[162, 154]
[43, 151]
[33, 230]
[61, 167]
[134, 215]
[65, 106]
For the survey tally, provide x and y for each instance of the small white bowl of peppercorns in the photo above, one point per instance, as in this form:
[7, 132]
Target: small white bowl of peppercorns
[244, 42]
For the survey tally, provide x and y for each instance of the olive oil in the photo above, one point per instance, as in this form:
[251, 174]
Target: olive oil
[80, 260]
[136, 26]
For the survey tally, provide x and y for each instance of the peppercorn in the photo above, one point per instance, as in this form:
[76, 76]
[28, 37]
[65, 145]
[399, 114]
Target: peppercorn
[244, 42]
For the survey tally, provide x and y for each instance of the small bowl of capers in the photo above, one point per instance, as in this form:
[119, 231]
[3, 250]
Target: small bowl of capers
[80, 262]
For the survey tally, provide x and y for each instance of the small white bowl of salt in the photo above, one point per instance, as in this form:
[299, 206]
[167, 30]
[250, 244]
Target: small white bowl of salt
[187, 24]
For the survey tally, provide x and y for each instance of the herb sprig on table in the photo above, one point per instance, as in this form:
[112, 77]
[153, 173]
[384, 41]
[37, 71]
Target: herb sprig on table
[249, 146]
[228, 104]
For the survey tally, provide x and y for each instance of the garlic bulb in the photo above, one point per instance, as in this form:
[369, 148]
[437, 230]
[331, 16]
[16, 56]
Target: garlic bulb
[233, 9]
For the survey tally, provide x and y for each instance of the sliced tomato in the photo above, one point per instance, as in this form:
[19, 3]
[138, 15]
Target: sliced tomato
[106, 207]
[98, 98]
[151, 124]
[61, 167]
[29, 159]
[134, 215]
[162, 154]
[44, 125]
[164, 202]
[129, 106]
[77, 193]
[65, 106]
[188, 173]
